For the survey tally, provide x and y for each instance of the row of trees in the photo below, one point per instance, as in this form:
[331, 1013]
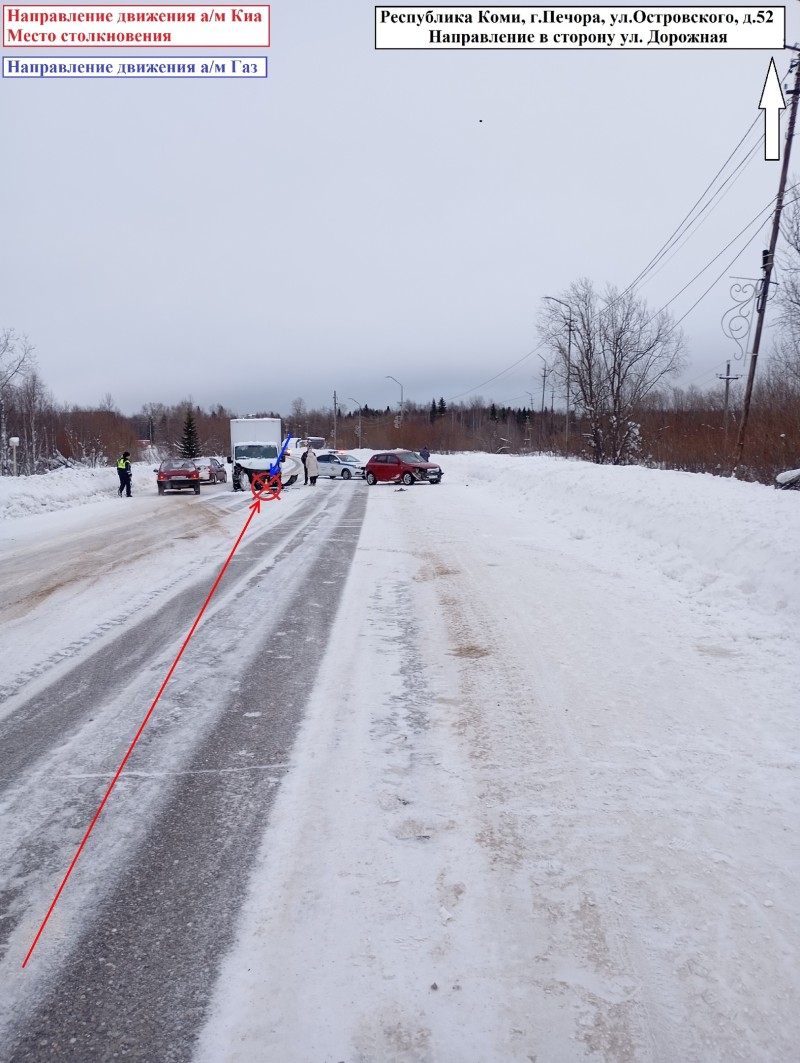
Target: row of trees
[668, 428]
[51, 434]
[611, 360]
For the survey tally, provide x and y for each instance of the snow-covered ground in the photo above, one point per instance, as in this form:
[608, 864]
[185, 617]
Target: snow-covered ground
[60, 489]
[544, 804]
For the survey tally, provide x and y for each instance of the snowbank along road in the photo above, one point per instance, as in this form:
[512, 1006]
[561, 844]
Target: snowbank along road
[539, 801]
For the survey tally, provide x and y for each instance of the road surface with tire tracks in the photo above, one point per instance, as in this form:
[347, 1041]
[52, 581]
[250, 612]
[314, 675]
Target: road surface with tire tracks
[125, 966]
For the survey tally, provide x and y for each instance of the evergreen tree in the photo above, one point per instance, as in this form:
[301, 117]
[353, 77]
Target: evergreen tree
[433, 411]
[441, 409]
[190, 444]
[493, 415]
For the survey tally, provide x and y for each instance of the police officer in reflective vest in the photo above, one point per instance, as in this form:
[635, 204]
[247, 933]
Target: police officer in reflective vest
[124, 471]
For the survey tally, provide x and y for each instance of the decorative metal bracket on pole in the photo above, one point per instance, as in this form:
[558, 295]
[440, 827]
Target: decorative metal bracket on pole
[738, 320]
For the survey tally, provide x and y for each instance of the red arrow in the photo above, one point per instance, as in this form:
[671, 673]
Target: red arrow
[255, 507]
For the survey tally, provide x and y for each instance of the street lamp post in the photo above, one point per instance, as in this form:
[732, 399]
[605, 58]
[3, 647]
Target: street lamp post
[553, 299]
[394, 378]
[351, 399]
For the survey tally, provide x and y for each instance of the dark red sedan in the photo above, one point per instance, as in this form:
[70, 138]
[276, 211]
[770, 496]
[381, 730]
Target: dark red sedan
[177, 474]
[401, 466]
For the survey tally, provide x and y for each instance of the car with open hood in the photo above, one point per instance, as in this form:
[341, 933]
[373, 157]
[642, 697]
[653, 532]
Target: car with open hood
[401, 466]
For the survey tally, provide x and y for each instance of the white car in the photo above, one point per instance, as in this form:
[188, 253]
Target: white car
[336, 463]
[211, 470]
[789, 480]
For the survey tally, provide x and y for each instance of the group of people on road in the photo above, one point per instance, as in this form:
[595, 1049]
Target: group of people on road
[290, 469]
[308, 459]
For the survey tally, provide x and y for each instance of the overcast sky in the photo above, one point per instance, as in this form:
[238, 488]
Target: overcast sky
[360, 213]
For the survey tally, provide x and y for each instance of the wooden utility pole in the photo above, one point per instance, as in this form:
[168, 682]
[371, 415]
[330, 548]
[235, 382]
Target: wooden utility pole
[727, 378]
[767, 264]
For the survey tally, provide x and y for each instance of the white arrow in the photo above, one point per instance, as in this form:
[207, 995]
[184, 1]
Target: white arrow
[772, 103]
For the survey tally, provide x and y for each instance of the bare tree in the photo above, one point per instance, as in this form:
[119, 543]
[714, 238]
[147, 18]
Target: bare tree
[16, 359]
[619, 353]
[786, 350]
[34, 403]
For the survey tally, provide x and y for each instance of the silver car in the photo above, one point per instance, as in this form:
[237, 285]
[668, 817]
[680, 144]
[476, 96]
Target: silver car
[211, 471]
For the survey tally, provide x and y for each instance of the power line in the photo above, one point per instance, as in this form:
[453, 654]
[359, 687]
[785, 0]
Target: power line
[681, 230]
[502, 372]
[678, 231]
[687, 220]
[741, 232]
[730, 264]
[541, 343]
[716, 280]
[689, 232]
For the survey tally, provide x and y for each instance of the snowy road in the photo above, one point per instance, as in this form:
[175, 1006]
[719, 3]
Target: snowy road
[543, 802]
[151, 905]
[550, 812]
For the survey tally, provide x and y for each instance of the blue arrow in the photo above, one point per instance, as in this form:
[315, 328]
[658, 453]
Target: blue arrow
[276, 468]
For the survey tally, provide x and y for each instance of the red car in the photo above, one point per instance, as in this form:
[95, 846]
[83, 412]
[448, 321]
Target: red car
[401, 466]
[174, 474]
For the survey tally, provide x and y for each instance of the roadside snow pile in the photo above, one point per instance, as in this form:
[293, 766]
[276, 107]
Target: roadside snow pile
[710, 532]
[61, 489]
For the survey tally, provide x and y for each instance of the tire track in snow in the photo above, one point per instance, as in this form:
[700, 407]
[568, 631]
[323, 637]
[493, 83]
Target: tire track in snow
[132, 954]
[511, 713]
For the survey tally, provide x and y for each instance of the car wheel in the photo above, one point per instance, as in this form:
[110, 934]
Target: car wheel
[346, 474]
[371, 479]
[223, 478]
[160, 489]
[244, 480]
[408, 478]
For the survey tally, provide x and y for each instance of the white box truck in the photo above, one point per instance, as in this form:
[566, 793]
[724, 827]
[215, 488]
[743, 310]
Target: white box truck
[256, 443]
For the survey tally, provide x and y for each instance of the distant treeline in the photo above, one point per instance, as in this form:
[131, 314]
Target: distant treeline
[675, 429]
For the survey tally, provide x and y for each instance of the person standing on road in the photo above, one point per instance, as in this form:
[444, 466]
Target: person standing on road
[312, 466]
[305, 469]
[124, 472]
[425, 454]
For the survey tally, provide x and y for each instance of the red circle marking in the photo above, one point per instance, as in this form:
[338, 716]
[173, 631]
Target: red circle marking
[266, 487]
